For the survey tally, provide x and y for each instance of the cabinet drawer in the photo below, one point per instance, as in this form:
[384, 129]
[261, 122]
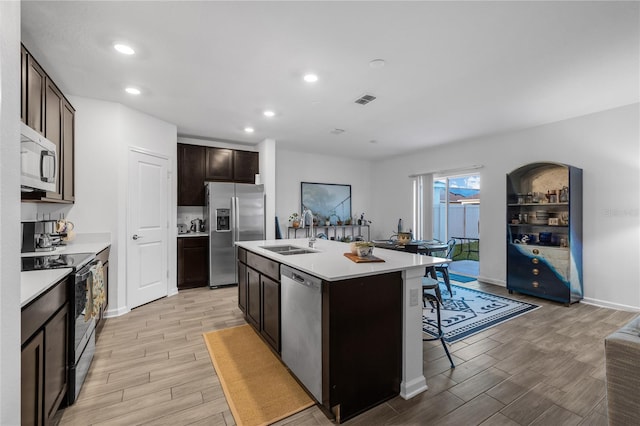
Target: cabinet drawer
[188, 242]
[242, 255]
[265, 266]
[38, 312]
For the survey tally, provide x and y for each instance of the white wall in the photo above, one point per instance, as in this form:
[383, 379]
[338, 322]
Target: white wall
[268, 167]
[104, 133]
[295, 167]
[605, 145]
[9, 213]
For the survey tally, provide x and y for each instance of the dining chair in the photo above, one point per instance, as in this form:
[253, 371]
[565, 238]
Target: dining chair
[431, 294]
[443, 268]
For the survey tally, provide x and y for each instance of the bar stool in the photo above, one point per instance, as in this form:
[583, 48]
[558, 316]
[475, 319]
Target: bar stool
[431, 294]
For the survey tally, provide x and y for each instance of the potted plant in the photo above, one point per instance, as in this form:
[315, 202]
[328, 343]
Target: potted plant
[294, 219]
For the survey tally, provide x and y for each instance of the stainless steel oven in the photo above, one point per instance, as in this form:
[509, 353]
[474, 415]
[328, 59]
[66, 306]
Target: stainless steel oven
[82, 343]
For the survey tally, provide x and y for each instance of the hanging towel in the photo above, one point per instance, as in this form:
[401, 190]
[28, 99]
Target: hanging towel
[95, 291]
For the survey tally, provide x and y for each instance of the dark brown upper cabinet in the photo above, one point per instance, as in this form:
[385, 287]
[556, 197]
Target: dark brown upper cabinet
[68, 151]
[219, 164]
[191, 176]
[228, 165]
[53, 129]
[35, 89]
[245, 166]
[45, 109]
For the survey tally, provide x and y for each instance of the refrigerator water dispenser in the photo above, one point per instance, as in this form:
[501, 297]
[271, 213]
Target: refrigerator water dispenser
[222, 220]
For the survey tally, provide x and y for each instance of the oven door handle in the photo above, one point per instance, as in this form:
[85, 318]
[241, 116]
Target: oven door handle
[84, 273]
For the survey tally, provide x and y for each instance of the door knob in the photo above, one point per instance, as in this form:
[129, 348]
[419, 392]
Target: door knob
[136, 236]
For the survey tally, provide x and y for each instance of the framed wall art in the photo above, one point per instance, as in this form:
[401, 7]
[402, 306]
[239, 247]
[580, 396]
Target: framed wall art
[326, 200]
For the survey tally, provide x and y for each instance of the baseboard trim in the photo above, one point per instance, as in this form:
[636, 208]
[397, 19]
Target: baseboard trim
[488, 280]
[605, 304]
[112, 313]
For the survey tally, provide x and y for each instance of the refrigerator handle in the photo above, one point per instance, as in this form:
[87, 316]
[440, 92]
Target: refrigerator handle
[237, 218]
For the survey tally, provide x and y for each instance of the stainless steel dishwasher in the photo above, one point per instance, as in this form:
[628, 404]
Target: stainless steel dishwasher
[301, 313]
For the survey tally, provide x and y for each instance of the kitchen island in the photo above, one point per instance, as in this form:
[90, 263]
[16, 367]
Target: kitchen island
[371, 317]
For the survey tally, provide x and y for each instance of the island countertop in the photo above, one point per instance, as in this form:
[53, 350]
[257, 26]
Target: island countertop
[330, 264]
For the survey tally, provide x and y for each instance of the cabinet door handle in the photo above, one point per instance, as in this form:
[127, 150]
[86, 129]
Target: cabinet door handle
[536, 251]
[136, 236]
[535, 260]
[535, 271]
[535, 284]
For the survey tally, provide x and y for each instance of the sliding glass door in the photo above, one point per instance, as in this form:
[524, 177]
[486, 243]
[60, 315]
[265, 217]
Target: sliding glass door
[456, 214]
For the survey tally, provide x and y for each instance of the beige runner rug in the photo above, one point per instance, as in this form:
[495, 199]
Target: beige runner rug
[258, 387]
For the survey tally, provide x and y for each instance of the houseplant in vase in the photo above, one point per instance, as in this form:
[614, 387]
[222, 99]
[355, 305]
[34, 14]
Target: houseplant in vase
[295, 219]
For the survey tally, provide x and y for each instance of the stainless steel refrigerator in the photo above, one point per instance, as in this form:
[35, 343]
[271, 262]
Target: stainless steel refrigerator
[235, 212]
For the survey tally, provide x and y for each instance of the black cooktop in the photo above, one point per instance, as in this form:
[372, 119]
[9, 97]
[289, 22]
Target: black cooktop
[56, 261]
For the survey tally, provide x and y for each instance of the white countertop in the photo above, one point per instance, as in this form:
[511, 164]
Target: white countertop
[34, 283]
[193, 234]
[329, 263]
[82, 246]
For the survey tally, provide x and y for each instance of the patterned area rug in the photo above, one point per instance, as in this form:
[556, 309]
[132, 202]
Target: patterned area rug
[461, 278]
[470, 311]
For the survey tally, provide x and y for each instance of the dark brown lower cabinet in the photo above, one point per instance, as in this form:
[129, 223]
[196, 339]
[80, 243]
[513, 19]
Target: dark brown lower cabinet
[270, 329]
[361, 343]
[242, 287]
[193, 262]
[56, 355]
[254, 306]
[45, 354]
[259, 295]
[32, 380]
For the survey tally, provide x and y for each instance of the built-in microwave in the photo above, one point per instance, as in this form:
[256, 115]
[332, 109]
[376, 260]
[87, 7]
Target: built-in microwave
[38, 161]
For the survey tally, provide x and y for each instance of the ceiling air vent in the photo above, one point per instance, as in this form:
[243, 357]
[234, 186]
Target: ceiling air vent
[365, 99]
[337, 131]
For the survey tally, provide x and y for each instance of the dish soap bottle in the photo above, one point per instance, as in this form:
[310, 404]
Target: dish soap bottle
[399, 225]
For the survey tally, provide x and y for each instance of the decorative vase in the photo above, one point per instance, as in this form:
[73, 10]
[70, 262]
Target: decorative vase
[327, 223]
[295, 223]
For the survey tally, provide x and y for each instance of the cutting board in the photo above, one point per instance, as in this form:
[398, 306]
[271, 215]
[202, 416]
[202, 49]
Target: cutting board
[369, 259]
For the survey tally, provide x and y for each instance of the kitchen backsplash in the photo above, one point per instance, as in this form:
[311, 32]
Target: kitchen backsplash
[188, 213]
[42, 211]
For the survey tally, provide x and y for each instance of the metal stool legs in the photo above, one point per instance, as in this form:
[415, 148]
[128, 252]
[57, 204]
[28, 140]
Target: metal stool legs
[435, 300]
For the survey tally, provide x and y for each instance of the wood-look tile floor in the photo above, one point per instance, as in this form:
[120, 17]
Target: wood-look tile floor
[544, 368]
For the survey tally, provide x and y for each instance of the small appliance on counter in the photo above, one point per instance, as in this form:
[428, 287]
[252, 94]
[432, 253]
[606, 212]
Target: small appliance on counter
[197, 225]
[45, 235]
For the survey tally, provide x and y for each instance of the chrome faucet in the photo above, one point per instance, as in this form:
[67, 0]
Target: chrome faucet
[312, 240]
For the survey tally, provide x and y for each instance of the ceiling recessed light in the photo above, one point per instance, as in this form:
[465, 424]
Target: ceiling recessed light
[248, 129]
[377, 63]
[132, 91]
[124, 49]
[269, 113]
[310, 78]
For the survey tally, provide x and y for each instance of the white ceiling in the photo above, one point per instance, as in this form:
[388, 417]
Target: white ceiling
[454, 70]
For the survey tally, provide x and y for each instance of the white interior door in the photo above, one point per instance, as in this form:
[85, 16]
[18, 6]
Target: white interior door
[147, 228]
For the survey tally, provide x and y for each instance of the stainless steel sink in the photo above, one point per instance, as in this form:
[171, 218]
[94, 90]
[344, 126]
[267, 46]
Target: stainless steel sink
[287, 250]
